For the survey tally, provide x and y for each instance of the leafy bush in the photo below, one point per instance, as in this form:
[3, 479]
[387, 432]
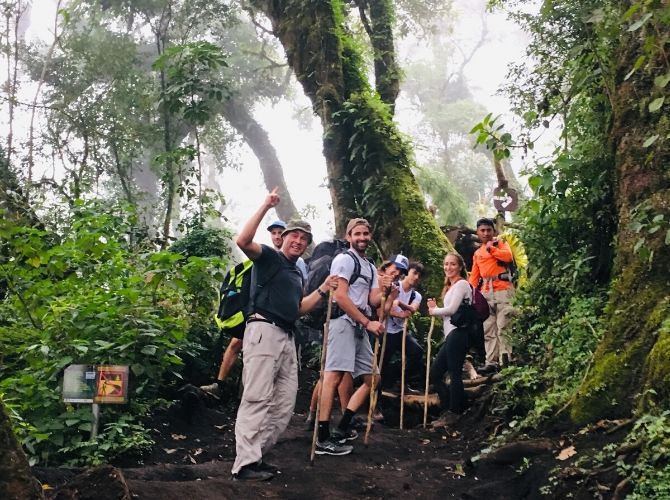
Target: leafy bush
[86, 296]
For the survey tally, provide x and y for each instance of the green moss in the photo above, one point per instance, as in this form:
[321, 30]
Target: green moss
[633, 357]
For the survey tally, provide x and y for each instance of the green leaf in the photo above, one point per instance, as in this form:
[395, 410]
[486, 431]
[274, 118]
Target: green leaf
[656, 104]
[649, 141]
[149, 350]
[662, 80]
[640, 22]
[667, 237]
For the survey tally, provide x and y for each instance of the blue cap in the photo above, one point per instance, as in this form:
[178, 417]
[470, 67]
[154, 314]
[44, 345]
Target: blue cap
[400, 261]
[278, 223]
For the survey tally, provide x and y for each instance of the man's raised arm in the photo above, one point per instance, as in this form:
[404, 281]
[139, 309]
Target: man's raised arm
[245, 239]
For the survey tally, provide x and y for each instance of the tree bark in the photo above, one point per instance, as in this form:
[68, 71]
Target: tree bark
[237, 114]
[16, 479]
[368, 161]
[632, 363]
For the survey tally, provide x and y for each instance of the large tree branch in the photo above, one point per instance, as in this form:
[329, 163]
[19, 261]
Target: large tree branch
[237, 114]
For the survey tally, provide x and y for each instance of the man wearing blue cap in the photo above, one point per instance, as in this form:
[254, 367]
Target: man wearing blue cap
[276, 229]
[403, 306]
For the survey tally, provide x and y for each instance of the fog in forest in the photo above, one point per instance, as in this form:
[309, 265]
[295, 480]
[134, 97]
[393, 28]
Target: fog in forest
[453, 70]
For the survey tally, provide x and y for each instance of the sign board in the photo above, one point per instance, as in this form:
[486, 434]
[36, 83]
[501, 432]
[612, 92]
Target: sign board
[505, 199]
[95, 384]
[79, 384]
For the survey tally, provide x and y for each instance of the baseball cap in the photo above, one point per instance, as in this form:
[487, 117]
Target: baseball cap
[358, 221]
[278, 223]
[298, 225]
[400, 261]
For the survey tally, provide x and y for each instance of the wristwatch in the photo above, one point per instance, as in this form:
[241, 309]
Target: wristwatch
[322, 293]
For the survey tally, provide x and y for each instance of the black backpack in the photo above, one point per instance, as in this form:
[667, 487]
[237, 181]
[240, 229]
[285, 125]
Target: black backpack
[471, 316]
[318, 269]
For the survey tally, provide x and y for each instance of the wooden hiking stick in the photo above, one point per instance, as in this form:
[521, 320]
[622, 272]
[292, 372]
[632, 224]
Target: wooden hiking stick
[375, 367]
[326, 328]
[402, 373]
[425, 396]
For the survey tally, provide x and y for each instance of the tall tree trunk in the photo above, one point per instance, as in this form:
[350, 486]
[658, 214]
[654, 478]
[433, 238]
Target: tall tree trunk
[16, 479]
[237, 114]
[368, 161]
[632, 363]
[380, 31]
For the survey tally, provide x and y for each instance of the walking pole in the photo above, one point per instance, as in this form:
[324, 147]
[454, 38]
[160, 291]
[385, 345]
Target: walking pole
[326, 328]
[425, 396]
[402, 373]
[373, 386]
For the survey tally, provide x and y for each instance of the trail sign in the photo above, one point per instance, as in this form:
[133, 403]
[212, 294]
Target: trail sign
[505, 199]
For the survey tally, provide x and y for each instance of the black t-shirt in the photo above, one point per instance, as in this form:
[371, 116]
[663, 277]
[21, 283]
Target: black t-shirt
[279, 287]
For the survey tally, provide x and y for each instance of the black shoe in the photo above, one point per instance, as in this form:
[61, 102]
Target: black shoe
[412, 390]
[358, 423]
[309, 422]
[251, 472]
[488, 369]
[266, 467]
[330, 447]
[341, 437]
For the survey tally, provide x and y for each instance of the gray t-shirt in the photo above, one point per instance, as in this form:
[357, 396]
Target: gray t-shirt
[359, 290]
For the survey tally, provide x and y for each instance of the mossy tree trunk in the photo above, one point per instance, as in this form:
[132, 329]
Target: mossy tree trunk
[631, 369]
[368, 160]
[16, 479]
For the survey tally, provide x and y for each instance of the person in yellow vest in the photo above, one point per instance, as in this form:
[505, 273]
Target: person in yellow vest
[491, 275]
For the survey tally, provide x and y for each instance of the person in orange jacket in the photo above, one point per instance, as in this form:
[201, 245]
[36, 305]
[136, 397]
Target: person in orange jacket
[491, 275]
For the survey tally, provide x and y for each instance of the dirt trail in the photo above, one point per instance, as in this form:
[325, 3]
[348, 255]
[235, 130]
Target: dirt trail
[194, 452]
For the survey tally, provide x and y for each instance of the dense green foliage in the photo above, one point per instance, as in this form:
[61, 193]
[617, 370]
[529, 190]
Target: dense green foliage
[572, 228]
[92, 298]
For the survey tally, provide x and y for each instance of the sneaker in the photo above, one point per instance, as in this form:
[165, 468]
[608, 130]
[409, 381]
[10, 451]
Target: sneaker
[330, 447]
[212, 389]
[412, 391]
[358, 423]
[252, 472]
[309, 422]
[340, 436]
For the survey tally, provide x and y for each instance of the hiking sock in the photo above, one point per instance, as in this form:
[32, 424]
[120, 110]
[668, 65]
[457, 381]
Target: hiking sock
[346, 419]
[221, 384]
[324, 430]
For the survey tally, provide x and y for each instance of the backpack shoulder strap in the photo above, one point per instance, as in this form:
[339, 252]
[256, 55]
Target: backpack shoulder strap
[357, 267]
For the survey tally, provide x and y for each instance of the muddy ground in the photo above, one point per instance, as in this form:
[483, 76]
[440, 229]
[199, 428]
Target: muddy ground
[195, 448]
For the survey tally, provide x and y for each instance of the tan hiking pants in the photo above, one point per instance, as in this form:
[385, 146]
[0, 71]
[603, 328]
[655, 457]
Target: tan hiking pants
[270, 377]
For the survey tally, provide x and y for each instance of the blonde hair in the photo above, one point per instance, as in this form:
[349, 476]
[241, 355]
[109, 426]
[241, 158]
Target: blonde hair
[463, 271]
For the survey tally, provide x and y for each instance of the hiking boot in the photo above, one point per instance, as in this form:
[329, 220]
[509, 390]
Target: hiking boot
[309, 422]
[330, 447]
[340, 436]
[266, 467]
[489, 369]
[252, 472]
[212, 390]
[447, 419]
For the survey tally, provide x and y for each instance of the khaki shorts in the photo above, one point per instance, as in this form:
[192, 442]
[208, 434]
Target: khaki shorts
[348, 348]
